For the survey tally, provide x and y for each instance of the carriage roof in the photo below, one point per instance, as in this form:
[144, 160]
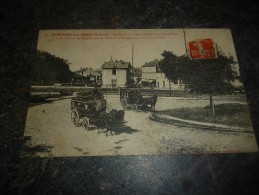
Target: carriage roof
[87, 96]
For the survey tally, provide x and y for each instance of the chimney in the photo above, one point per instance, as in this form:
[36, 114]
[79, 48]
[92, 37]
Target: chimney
[82, 72]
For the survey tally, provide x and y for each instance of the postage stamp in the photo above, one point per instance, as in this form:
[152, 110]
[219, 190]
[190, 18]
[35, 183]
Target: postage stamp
[202, 49]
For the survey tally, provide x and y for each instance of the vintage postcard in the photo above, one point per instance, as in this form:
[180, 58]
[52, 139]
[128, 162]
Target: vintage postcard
[137, 92]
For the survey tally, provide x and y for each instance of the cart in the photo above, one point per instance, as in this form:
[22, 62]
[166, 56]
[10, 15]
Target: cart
[90, 108]
[132, 99]
[87, 108]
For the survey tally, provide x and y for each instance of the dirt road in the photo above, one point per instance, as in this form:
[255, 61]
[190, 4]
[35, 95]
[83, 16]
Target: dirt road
[49, 125]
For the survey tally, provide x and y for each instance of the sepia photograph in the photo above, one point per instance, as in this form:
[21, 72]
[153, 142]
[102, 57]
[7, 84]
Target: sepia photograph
[137, 92]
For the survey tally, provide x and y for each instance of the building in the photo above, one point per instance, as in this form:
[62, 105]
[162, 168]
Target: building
[94, 77]
[137, 76]
[78, 79]
[116, 74]
[152, 76]
[88, 77]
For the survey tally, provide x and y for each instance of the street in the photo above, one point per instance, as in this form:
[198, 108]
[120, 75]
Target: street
[50, 125]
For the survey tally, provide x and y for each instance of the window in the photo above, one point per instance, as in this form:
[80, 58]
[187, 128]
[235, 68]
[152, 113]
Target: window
[158, 84]
[114, 71]
[163, 83]
[114, 82]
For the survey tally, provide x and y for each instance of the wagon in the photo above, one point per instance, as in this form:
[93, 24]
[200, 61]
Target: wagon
[87, 108]
[132, 99]
[90, 108]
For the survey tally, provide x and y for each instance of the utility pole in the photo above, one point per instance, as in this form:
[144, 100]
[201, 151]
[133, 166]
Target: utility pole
[170, 92]
[132, 58]
[185, 43]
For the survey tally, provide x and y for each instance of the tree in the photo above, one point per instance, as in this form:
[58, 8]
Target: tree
[201, 76]
[169, 64]
[49, 69]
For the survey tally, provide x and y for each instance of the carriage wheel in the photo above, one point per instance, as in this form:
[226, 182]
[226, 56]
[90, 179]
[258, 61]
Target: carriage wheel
[75, 117]
[86, 123]
[124, 103]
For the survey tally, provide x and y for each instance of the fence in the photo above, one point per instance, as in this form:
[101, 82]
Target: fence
[69, 90]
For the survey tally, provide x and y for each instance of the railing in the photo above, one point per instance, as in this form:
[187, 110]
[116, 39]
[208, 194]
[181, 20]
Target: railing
[163, 92]
[69, 90]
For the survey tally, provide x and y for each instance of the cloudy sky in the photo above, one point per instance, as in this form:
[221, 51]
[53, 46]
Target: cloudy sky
[91, 48]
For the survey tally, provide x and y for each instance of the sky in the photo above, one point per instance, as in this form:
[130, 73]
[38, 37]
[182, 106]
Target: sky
[91, 48]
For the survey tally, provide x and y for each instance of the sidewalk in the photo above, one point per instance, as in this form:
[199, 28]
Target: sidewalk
[212, 126]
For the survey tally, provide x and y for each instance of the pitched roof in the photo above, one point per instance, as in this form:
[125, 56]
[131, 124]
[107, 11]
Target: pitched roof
[92, 72]
[88, 71]
[78, 75]
[116, 64]
[150, 64]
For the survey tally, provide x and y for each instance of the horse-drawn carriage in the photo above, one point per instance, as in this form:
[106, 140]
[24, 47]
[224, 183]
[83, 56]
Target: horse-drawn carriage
[132, 99]
[90, 108]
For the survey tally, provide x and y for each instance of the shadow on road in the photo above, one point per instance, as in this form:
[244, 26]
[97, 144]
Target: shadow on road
[120, 141]
[125, 129]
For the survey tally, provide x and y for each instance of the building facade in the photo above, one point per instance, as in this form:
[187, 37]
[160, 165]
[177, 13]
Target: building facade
[116, 74]
[88, 77]
[152, 76]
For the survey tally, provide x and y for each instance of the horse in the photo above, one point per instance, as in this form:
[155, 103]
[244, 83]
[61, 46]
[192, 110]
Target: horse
[101, 123]
[118, 118]
[111, 120]
[150, 101]
[106, 121]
